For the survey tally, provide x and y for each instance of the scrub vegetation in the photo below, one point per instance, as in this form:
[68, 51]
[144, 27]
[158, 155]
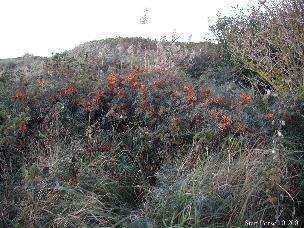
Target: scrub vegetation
[131, 132]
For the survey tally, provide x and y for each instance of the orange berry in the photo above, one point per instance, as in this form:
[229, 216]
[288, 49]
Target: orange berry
[23, 128]
[192, 98]
[89, 106]
[99, 95]
[158, 84]
[69, 91]
[270, 116]
[245, 99]
[123, 108]
[18, 96]
[225, 123]
[176, 122]
[216, 115]
[135, 85]
[206, 92]
[219, 100]
[189, 89]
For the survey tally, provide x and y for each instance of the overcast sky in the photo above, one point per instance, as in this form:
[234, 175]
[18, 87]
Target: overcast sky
[41, 27]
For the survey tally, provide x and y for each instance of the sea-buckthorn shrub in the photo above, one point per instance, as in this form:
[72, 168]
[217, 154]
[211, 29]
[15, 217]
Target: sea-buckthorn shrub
[269, 41]
[96, 140]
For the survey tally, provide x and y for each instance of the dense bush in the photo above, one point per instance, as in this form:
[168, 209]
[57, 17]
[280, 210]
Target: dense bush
[268, 39]
[90, 139]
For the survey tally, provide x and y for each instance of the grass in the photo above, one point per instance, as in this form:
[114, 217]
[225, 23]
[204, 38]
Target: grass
[145, 134]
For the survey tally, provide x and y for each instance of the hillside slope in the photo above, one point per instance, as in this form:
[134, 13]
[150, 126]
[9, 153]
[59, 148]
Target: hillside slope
[131, 132]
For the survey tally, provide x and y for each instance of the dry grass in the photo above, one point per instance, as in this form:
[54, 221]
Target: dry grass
[250, 185]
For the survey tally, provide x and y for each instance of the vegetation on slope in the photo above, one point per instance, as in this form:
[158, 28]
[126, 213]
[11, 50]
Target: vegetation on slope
[133, 132]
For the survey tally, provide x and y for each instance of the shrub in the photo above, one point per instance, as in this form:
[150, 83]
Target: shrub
[79, 149]
[269, 41]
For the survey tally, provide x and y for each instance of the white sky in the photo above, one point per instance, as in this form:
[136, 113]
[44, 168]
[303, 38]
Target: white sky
[41, 27]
